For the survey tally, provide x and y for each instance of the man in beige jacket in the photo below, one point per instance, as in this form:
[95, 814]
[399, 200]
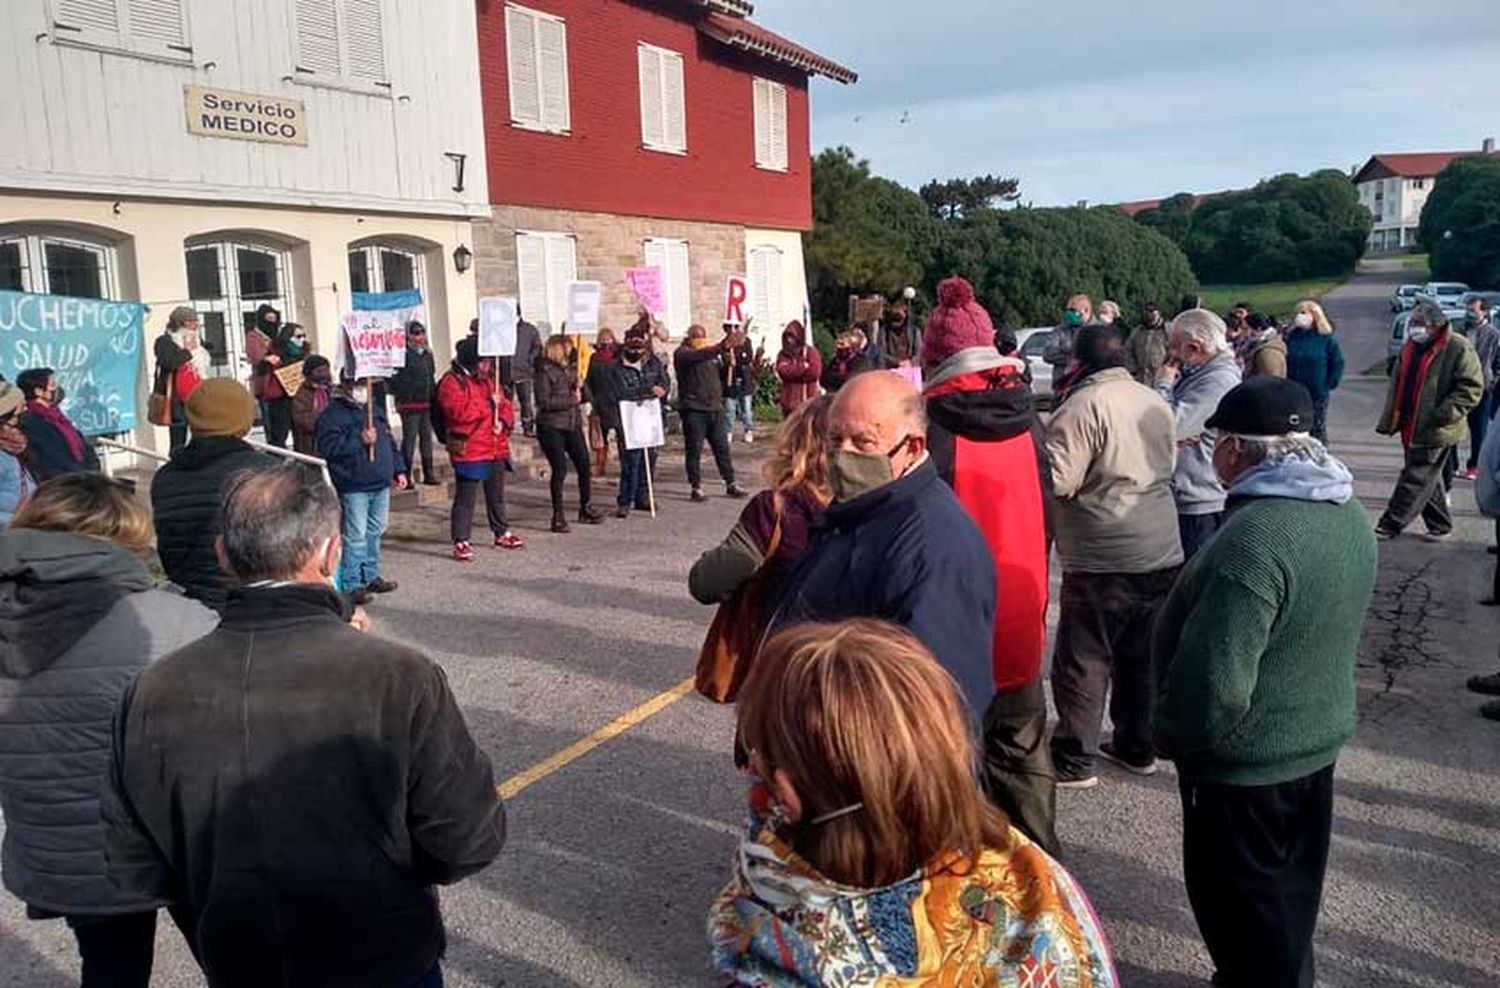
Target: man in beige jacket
[1112, 449]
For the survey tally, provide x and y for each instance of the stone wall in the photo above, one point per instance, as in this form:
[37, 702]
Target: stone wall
[607, 245]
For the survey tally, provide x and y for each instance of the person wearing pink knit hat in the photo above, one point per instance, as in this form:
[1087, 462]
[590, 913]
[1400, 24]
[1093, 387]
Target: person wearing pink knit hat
[984, 438]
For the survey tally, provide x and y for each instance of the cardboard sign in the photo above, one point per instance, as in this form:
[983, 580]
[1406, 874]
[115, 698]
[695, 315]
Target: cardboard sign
[583, 299]
[497, 327]
[93, 345]
[863, 311]
[374, 336]
[913, 375]
[736, 294]
[646, 283]
[641, 424]
[290, 377]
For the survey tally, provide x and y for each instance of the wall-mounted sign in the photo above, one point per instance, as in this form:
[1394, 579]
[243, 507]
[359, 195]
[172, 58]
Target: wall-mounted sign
[245, 116]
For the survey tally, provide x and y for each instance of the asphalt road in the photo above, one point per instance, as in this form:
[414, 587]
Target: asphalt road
[613, 856]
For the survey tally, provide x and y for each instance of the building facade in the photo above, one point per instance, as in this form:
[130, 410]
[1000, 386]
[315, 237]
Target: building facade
[229, 153]
[631, 133]
[1394, 188]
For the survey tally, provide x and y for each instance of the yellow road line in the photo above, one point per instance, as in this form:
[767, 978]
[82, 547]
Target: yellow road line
[578, 749]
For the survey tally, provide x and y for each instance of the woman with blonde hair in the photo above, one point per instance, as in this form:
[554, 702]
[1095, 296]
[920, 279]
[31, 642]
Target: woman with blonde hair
[873, 858]
[559, 429]
[79, 617]
[774, 528]
[1314, 360]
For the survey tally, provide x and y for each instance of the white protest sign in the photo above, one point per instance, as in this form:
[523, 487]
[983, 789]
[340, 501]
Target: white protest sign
[583, 299]
[497, 327]
[641, 424]
[736, 295]
[376, 341]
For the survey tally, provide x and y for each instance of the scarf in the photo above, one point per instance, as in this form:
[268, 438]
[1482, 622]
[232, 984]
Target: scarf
[53, 416]
[1305, 475]
[970, 360]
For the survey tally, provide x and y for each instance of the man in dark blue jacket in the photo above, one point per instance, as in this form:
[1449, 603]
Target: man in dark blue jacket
[896, 544]
[363, 460]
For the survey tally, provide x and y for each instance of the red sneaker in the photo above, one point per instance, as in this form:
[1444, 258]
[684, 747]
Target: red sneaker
[510, 540]
[463, 552]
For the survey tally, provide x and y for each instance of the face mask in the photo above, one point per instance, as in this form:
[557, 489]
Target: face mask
[852, 473]
[360, 394]
[293, 348]
[1304, 320]
[1418, 334]
[698, 342]
[1073, 317]
[1107, 319]
[57, 396]
[635, 351]
[1471, 319]
[323, 379]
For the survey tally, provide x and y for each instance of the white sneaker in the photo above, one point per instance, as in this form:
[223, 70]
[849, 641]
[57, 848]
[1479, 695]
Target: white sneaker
[749, 437]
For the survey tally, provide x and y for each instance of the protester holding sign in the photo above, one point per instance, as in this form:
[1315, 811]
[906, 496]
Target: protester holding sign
[310, 402]
[638, 376]
[739, 386]
[479, 420]
[289, 347]
[364, 461]
[54, 446]
[560, 431]
[178, 369]
[700, 401]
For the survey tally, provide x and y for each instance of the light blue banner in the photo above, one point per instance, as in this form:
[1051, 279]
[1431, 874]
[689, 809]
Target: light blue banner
[408, 298]
[93, 345]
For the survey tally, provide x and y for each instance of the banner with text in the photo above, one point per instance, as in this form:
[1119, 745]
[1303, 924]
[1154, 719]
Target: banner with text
[583, 299]
[498, 316]
[646, 284]
[93, 345]
[374, 337]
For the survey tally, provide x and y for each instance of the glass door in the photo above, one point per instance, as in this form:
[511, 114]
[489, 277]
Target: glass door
[227, 282]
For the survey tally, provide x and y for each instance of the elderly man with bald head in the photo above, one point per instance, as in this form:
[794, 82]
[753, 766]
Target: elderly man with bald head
[896, 544]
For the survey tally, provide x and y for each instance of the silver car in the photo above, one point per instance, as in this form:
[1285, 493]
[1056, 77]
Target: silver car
[1449, 295]
[1029, 346]
[1395, 342]
[1404, 297]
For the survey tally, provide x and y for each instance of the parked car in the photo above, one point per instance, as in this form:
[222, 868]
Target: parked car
[1029, 345]
[1449, 295]
[1404, 297]
[1395, 342]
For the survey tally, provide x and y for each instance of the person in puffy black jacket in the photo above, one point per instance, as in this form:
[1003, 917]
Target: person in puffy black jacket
[412, 387]
[559, 426]
[187, 491]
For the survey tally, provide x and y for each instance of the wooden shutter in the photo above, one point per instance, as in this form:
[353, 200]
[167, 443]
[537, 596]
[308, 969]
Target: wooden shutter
[157, 22]
[562, 267]
[520, 50]
[531, 273]
[679, 288]
[552, 64]
[364, 40]
[89, 15]
[765, 288]
[777, 139]
[653, 126]
[317, 37]
[674, 117]
[762, 123]
[656, 257]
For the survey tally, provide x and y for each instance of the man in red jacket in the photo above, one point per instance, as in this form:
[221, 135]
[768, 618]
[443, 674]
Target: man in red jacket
[984, 438]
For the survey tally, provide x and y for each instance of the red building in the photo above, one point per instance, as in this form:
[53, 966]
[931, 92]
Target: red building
[626, 133]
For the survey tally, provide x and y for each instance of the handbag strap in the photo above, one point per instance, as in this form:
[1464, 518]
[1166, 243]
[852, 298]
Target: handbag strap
[775, 542]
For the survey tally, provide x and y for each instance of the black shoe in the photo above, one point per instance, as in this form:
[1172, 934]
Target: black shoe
[1493, 550]
[431, 482]
[590, 515]
[697, 496]
[1107, 750]
[1489, 602]
[359, 596]
[1490, 711]
[623, 511]
[560, 525]
[1488, 685]
[1077, 780]
[736, 491]
[643, 505]
[381, 585]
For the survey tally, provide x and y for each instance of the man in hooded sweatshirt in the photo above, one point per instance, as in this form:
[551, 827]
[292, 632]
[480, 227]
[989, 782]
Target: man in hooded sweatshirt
[799, 365]
[985, 440]
[1257, 644]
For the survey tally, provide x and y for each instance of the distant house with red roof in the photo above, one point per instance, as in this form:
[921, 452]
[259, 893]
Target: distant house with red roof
[1394, 188]
[634, 133]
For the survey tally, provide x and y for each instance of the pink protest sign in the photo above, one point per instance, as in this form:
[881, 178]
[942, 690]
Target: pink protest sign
[912, 374]
[646, 283]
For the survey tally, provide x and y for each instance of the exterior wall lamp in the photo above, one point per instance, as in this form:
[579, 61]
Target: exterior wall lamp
[463, 258]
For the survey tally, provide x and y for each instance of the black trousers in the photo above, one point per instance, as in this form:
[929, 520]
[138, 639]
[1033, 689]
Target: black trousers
[1196, 530]
[1104, 645]
[1253, 858]
[117, 951]
[416, 428]
[466, 493]
[560, 446]
[697, 426]
[177, 432]
[1420, 490]
[279, 426]
[1016, 773]
[525, 395]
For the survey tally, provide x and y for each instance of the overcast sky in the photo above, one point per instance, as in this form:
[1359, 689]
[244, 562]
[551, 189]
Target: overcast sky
[1114, 100]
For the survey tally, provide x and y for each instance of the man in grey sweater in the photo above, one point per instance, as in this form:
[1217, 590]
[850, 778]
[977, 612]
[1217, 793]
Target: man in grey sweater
[1200, 371]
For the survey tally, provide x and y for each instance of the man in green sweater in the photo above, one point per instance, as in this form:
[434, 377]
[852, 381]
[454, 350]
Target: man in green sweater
[1257, 643]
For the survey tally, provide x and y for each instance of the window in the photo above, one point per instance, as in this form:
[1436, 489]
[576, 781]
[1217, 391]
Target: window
[1420, 183]
[545, 263]
[56, 265]
[765, 288]
[770, 125]
[677, 286]
[384, 268]
[341, 40]
[663, 120]
[227, 283]
[536, 47]
[148, 27]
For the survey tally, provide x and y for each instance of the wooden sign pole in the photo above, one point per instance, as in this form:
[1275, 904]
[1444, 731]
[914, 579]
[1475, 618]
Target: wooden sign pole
[370, 413]
[650, 488]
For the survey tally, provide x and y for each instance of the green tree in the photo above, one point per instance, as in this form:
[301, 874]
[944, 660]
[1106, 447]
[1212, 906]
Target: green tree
[1461, 222]
[1171, 217]
[959, 197]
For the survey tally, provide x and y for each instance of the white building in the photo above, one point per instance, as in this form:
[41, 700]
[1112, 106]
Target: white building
[228, 153]
[1394, 188]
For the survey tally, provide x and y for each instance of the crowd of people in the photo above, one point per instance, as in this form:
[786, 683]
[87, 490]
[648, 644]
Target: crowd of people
[237, 749]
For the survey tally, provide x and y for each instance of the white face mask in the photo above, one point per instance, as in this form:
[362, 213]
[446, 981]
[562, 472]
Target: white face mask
[360, 394]
[1107, 318]
[1418, 334]
[1304, 320]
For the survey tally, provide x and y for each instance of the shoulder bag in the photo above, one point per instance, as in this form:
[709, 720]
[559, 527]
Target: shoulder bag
[734, 637]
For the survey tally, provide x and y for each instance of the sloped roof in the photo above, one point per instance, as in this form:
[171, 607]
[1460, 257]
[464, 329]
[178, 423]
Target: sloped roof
[1422, 164]
[742, 33]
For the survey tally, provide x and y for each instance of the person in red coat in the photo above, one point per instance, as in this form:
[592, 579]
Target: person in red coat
[479, 419]
[986, 442]
[799, 366]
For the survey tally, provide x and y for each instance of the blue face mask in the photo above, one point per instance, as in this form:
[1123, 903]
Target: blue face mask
[294, 348]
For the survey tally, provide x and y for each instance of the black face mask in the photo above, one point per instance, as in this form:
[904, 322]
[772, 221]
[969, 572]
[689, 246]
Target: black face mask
[635, 351]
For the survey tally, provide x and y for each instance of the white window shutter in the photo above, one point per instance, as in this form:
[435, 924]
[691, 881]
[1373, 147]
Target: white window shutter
[774, 312]
[158, 21]
[364, 40]
[562, 267]
[762, 123]
[653, 127]
[778, 125]
[674, 114]
[520, 45]
[656, 257]
[679, 288]
[531, 272]
[317, 37]
[89, 15]
[552, 62]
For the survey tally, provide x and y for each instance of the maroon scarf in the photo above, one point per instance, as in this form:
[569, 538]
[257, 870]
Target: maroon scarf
[54, 416]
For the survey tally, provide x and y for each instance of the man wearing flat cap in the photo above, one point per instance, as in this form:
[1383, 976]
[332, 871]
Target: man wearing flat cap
[1256, 644]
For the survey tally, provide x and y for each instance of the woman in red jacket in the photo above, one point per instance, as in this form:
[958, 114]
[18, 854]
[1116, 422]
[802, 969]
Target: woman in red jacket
[479, 421]
[799, 366]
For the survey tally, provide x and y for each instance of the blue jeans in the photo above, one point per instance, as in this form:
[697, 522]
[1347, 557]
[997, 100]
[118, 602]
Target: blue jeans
[366, 514]
[633, 490]
[1196, 530]
[745, 407]
[432, 979]
[1320, 419]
